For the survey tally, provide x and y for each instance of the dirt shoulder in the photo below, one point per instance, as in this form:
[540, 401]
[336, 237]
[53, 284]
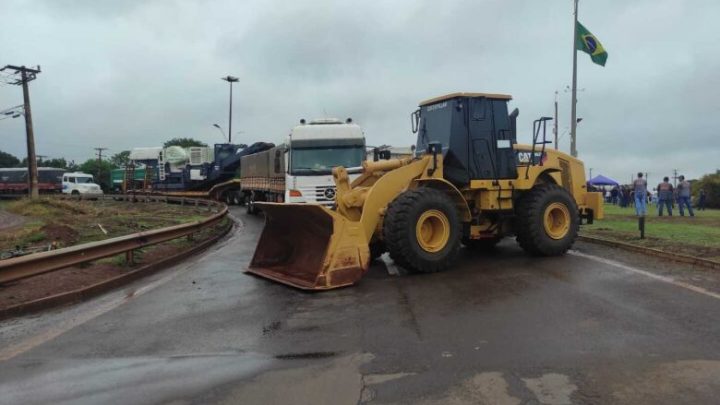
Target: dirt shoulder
[72, 222]
[9, 220]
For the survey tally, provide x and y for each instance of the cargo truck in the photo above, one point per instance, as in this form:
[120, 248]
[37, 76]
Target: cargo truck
[300, 170]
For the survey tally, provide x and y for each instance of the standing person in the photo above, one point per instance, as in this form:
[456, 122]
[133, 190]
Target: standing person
[640, 191]
[684, 196]
[614, 195]
[701, 200]
[665, 196]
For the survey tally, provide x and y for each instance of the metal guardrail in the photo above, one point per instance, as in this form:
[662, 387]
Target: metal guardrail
[32, 265]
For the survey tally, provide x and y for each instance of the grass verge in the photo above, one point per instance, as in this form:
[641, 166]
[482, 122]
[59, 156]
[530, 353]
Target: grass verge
[697, 236]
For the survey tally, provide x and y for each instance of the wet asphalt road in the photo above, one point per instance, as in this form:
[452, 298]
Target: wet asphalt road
[596, 326]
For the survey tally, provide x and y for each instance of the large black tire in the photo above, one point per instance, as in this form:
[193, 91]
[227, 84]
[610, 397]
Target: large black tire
[401, 232]
[547, 220]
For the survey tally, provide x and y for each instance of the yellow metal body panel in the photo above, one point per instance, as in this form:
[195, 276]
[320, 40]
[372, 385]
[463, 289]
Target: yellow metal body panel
[387, 187]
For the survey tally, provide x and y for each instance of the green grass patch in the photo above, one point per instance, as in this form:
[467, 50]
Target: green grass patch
[698, 236]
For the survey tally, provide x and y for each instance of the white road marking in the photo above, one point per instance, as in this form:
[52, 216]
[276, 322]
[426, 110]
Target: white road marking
[664, 279]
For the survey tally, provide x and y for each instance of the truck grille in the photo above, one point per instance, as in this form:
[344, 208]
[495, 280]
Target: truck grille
[324, 195]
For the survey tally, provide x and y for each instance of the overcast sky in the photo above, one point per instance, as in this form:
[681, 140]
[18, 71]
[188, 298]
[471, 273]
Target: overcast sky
[123, 74]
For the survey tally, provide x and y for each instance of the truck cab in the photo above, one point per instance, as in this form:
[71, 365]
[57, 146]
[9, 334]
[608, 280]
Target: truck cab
[80, 183]
[313, 149]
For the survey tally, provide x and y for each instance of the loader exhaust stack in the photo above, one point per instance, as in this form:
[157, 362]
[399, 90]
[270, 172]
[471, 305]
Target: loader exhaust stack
[309, 247]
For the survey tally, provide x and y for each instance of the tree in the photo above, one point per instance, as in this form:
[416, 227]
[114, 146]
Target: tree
[8, 160]
[120, 159]
[183, 142]
[60, 163]
[100, 170]
[711, 184]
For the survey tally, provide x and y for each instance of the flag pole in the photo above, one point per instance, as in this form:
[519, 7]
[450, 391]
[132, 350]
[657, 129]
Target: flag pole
[573, 109]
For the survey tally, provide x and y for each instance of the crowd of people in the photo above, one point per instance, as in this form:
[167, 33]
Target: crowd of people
[665, 196]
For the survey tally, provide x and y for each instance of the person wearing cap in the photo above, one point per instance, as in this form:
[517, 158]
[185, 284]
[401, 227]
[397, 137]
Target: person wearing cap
[640, 192]
[684, 196]
[665, 196]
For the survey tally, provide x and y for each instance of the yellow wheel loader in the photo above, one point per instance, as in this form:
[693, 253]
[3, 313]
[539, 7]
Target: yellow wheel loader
[469, 183]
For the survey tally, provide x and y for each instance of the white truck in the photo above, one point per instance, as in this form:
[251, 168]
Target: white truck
[80, 183]
[300, 170]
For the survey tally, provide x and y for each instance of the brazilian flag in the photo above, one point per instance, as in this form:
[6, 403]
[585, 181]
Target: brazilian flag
[588, 43]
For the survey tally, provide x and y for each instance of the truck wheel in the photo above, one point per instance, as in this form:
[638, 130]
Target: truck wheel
[249, 206]
[547, 220]
[422, 230]
[481, 245]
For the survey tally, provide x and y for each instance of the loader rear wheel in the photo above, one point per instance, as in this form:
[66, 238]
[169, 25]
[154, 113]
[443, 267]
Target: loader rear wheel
[547, 221]
[422, 230]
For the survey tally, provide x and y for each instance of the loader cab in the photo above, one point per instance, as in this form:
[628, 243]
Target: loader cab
[476, 132]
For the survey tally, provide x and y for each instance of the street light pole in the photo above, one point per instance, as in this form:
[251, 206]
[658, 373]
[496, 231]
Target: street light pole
[231, 80]
[221, 131]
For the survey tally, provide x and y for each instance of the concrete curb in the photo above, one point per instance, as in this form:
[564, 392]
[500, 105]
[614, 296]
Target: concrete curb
[652, 252]
[85, 293]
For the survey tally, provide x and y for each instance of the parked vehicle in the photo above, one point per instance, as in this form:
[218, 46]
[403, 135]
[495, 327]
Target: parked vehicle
[300, 170]
[80, 183]
[15, 180]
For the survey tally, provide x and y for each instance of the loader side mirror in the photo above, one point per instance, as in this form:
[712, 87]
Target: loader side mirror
[415, 121]
[513, 124]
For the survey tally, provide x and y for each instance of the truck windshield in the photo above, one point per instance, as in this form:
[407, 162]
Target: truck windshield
[321, 160]
[84, 180]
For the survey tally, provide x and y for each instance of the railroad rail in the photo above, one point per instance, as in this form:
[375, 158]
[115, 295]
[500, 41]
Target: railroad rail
[34, 264]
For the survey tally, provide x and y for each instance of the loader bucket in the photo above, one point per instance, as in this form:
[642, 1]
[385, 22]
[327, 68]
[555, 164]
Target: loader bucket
[309, 247]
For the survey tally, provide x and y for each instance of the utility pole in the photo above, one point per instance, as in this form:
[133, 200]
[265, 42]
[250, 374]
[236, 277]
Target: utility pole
[675, 177]
[99, 169]
[231, 80]
[555, 128]
[28, 75]
[591, 173]
[573, 107]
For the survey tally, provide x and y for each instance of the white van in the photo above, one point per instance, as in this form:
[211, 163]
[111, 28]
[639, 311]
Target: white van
[80, 183]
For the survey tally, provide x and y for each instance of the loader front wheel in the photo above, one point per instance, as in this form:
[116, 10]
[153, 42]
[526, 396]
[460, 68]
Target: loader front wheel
[422, 230]
[547, 221]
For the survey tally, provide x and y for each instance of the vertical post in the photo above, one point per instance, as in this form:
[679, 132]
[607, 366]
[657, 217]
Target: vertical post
[130, 257]
[555, 128]
[32, 163]
[230, 116]
[573, 107]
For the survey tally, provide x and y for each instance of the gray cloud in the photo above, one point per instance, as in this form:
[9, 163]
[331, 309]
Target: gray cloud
[135, 73]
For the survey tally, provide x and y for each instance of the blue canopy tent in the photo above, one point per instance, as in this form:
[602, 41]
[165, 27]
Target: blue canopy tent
[601, 180]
